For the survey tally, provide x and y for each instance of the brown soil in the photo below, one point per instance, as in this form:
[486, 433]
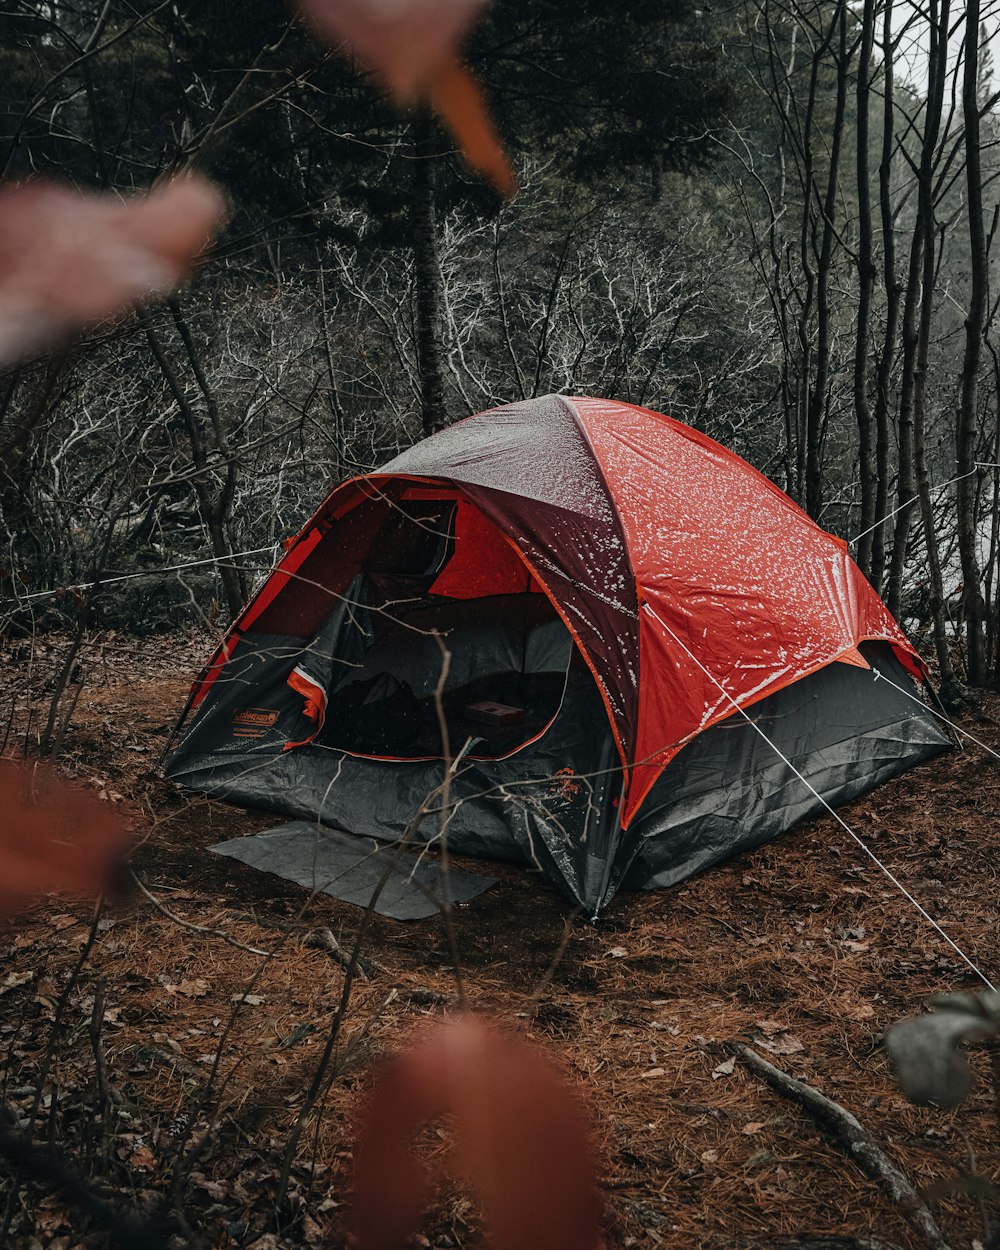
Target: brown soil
[803, 948]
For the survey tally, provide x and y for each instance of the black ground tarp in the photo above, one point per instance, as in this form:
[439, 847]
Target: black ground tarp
[352, 869]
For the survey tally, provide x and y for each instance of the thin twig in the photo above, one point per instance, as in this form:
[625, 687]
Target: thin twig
[557, 958]
[97, 1046]
[321, 1079]
[445, 861]
[198, 928]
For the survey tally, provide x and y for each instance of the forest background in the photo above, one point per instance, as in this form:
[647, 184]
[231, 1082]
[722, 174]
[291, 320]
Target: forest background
[774, 221]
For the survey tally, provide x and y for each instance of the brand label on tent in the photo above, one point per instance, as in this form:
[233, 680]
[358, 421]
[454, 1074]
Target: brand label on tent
[253, 722]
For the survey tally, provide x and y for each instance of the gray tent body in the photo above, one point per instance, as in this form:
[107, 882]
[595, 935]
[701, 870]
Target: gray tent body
[552, 805]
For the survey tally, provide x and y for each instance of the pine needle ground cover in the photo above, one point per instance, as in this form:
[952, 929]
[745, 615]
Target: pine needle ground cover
[171, 1064]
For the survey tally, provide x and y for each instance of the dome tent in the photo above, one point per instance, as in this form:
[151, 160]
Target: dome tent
[609, 585]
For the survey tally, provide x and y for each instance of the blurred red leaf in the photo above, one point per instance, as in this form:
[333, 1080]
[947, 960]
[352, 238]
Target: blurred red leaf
[410, 46]
[521, 1141]
[70, 258]
[404, 42]
[458, 100]
[53, 836]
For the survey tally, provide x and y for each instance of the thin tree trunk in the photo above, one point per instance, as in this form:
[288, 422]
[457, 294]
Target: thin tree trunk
[992, 588]
[806, 452]
[917, 316]
[866, 286]
[212, 506]
[887, 358]
[965, 432]
[936, 582]
[223, 503]
[427, 278]
[925, 224]
[794, 468]
[815, 422]
[331, 374]
[905, 492]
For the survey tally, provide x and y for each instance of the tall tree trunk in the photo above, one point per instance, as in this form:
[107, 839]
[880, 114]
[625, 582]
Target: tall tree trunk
[905, 492]
[925, 225]
[223, 504]
[427, 277]
[934, 577]
[780, 258]
[866, 286]
[807, 455]
[336, 410]
[212, 504]
[887, 356]
[965, 431]
[918, 313]
[992, 589]
[818, 399]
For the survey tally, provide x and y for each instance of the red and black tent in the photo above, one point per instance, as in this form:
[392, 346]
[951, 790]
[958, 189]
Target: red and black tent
[609, 586]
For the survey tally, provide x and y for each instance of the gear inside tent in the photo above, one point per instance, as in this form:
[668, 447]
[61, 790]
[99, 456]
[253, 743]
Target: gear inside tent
[638, 649]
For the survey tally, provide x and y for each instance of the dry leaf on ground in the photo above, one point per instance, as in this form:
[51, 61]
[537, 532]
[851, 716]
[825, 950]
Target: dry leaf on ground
[781, 1044]
[14, 980]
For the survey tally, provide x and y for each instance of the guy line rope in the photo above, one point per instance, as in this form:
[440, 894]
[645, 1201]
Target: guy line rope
[128, 577]
[979, 464]
[816, 794]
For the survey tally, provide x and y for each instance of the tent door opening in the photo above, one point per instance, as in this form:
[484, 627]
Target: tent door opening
[417, 603]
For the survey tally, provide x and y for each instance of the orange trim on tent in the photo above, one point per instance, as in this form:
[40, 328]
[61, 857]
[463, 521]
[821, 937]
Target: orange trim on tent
[315, 703]
[200, 687]
[289, 563]
[354, 492]
[852, 656]
[280, 577]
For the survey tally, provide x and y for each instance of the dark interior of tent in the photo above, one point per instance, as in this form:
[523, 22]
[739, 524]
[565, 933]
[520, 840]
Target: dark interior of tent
[443, 600]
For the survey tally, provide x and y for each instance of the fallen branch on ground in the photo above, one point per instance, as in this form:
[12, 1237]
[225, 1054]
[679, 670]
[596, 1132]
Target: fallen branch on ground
[855, 1139]
[322, 939]
[197, 928]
